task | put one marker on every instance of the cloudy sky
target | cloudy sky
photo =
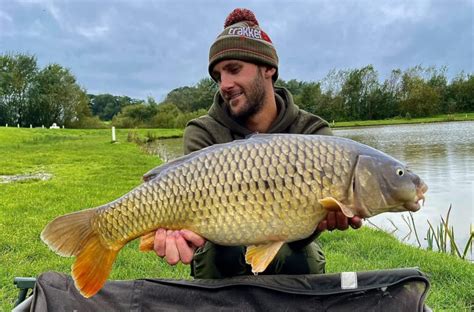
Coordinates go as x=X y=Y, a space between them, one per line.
x=147 y=48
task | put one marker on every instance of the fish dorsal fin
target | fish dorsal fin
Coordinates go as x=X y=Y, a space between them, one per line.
x=332 y=204
x=260 y=256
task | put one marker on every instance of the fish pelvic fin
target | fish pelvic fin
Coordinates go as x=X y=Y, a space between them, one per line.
x=147 y=242
x=332 y=204
x=73 y=235
x=260 y=256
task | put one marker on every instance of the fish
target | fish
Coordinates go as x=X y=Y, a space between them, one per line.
x=259 y=192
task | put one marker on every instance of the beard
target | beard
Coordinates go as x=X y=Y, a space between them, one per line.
x=255 y=98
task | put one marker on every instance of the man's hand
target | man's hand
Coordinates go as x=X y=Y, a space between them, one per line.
x=337 y=220
x=177 y=246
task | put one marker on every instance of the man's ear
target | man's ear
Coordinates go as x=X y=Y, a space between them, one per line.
x=269 y=71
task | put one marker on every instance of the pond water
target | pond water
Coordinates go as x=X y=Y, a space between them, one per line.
x=442 y=154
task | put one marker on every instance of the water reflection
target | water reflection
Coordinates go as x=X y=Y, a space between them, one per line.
x=441 y=153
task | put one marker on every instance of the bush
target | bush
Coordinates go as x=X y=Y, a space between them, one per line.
x=182 y=119
x=125 y=122
x=88 y=123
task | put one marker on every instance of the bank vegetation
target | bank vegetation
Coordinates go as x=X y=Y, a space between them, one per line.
x=35 y=96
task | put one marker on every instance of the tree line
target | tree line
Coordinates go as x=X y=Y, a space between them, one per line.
x=358 y=94
x=30 y=95
x=33 y=96
x=179 y=106
x=343 y=95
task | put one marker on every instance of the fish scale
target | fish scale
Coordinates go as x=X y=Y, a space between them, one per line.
x=259 y=192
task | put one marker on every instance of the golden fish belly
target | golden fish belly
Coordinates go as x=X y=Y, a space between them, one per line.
x=243 y=194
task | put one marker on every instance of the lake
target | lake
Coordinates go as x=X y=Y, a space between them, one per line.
x=442 y=154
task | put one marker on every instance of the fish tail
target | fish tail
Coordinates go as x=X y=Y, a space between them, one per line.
x=73 y=235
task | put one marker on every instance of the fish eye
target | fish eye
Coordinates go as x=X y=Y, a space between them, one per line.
x=400 y=172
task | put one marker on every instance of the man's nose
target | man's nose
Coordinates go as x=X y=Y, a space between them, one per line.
x=226 y=82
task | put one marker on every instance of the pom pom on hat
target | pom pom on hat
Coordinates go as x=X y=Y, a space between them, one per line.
x=240 y=15
x=243 y=39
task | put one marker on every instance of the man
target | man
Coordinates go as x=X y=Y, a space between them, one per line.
x=244 y=63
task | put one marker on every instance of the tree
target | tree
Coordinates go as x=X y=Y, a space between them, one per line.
x=357 y=87
x=460 y=94
x=106 y=106
x=136 y=115
x=166 y=115
x=332 y=105
x=55 y=97
x=438 y=82
x=189 y=99
x=418 y=98
x=182 y=98
x=205 y=90
x=309 y=98
x=294 y=86
x=332 y=83
x=17 y=73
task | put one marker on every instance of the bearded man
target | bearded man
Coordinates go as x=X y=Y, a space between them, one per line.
x=244 y=63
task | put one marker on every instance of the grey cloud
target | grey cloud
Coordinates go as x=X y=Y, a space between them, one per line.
x=147 y=48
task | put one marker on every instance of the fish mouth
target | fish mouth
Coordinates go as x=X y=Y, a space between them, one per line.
x=420 y=196
x=413 y=206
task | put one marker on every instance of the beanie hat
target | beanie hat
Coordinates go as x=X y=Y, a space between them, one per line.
x=243 y=39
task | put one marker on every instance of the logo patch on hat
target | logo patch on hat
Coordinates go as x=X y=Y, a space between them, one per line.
x=249 y=32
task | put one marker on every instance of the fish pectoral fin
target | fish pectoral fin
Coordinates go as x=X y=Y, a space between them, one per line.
x=147 y=242
x=260 y=256
x=332 y=204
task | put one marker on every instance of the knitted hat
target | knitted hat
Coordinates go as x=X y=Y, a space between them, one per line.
x=243 y=39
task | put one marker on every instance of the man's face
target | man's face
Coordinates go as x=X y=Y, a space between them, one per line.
x=241 y=85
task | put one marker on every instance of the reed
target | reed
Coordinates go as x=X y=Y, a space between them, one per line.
x=443 y=236
x=439 y=238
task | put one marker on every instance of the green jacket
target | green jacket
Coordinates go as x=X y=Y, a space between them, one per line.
x=215 y=261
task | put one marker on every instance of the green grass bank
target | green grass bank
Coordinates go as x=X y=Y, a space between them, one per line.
x=400 y=121
x=87 y=170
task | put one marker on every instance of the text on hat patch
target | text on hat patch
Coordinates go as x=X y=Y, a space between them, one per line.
x=246 y=31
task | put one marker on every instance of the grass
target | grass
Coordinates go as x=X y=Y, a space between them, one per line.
x=452 y=287
x=88 y=170
x=398 y=121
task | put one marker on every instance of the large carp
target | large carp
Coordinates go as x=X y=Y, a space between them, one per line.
x=259 y=192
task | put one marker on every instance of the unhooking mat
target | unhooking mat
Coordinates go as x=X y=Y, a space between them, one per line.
x=388 y=290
